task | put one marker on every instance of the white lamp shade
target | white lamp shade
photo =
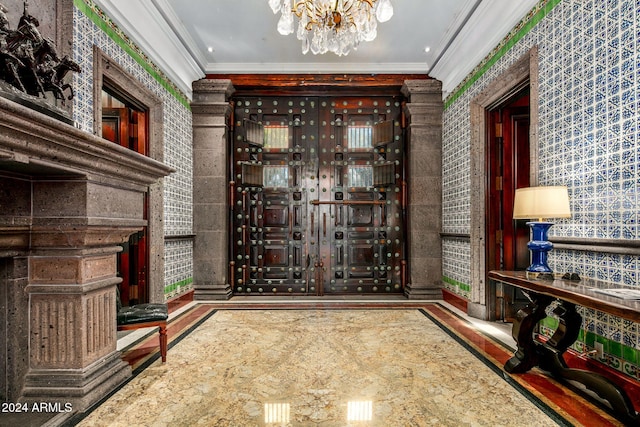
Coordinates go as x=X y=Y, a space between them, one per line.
x=541 y=202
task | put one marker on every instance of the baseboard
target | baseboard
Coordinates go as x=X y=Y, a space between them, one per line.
x=180 y=301
x=455 y=300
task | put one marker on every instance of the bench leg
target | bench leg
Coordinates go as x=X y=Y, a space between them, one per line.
x=163 y=343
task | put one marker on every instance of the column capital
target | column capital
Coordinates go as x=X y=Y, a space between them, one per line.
x=418 y=91
x=211 y=91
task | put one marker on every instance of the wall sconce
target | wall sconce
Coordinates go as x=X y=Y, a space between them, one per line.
x=540 y=203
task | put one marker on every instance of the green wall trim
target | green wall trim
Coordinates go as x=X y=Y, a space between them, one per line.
x=526 y=24
x=459 y=285
x=181 y=284
x=550 y=322
x=630 y=354
x=103 y=22
x=618 y=350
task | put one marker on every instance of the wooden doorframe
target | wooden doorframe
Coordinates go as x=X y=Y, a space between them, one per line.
x=508 y=169
x=482 y=299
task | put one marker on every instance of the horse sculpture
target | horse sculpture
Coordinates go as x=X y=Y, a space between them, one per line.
x=30 y=62
x=16 y=50
x=52 y=78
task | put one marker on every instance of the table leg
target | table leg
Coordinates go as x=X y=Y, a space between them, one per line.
x=551 y=359
x=526 y=356
x=549 y=355
x=569 y=322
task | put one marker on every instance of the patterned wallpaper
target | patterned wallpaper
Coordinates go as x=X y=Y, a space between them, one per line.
x=92 y=27
x=589 y=75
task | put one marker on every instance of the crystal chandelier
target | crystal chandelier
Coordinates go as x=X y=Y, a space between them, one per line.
x=332 y=25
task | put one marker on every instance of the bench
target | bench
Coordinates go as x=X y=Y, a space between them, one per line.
x=145 y=316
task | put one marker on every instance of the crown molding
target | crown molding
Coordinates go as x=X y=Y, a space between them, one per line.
x=150 y=29
x=483 y=31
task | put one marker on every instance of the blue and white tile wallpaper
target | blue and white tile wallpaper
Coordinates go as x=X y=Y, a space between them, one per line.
x=178 y=195
x=589 y=82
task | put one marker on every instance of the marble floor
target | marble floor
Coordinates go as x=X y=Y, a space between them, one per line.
x=330 y=362
x=324 y=364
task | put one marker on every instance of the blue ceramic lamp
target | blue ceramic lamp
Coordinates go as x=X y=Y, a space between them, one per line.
x=538 y=204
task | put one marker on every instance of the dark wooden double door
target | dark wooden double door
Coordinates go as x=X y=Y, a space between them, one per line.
x=317 y=196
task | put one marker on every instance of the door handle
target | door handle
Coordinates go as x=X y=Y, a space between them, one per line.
x=405 y=197
x=320 y=277
x=324 y=224
x=312 y=224
x=348 y=202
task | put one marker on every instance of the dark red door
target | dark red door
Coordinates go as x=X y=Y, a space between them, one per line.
x=509 y=164
x=127 y=126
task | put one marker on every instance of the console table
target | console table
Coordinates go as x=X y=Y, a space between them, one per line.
x=542 y=291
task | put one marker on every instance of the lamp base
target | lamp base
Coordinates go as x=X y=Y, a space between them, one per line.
x=539 y=246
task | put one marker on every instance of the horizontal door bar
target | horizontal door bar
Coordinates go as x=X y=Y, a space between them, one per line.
x=348 y=202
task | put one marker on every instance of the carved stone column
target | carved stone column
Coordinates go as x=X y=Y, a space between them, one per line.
x=211 y=110
x=424 y=114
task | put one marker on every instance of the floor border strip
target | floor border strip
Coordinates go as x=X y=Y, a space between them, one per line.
x=549 y=411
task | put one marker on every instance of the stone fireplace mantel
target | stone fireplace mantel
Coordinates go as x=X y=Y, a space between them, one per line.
x=68 y=199
x=31 y=141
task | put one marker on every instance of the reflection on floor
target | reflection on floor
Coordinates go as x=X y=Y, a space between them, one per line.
x=334 y=363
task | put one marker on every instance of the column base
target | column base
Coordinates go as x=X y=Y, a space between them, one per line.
x=80 y=388
x=413 y=291
x=209 y=292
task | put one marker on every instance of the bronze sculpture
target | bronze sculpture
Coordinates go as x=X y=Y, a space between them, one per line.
x=29 y=61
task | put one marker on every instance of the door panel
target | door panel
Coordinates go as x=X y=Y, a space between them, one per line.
x=318 y=208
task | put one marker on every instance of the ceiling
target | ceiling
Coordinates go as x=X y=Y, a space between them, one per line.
x=190 y=38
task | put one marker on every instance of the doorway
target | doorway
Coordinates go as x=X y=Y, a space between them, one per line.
x=509 y=169
x=317 y=205
x=522 y=73
x=126 y=123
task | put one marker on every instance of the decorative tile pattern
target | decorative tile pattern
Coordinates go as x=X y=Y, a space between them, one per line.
x=178 y=267
x=89 y=30
x=456 y=263
x=589 y=83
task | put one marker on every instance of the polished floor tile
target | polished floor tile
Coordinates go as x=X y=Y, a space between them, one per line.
x=349 y=367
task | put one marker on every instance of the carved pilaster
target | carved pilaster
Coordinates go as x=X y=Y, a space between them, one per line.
x=211 y=112
x=72 y=305
x=14 y=316
x=424 y=116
